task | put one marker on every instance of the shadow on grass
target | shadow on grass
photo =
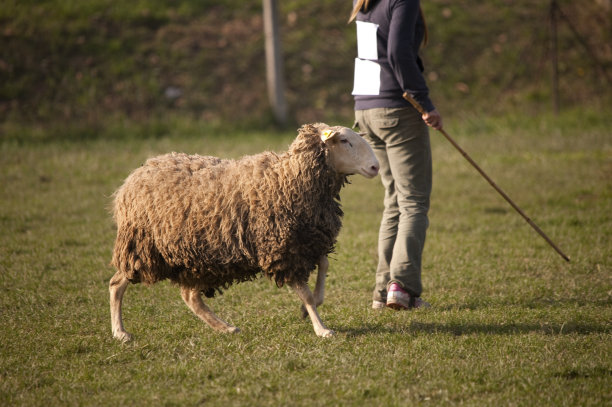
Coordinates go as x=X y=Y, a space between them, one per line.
x=536 y=303
x=459 y=329
x=545 y=328
x=584 y=373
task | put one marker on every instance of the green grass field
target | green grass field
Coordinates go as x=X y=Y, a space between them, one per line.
x=511 y=323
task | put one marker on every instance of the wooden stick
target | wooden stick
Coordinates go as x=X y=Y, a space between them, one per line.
x=535 y=227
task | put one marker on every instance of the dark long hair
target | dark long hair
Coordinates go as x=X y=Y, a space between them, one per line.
x=365 y=5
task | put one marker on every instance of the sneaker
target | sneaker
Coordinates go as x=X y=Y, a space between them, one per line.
x=399 y=299
x=378 y=304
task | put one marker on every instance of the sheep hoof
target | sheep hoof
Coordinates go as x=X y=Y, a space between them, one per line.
x=326 y=333
x=122 y=336
x=232 y=330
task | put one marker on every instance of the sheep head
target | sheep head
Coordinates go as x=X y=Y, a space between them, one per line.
x=349 y=153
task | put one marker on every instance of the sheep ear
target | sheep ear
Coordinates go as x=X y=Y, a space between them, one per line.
x=327 y=134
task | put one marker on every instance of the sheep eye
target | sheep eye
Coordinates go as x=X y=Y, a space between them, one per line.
x=345 y=141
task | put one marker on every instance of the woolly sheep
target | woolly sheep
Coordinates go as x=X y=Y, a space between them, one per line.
x=206 y=223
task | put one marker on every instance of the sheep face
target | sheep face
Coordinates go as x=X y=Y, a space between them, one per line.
x=349 y=153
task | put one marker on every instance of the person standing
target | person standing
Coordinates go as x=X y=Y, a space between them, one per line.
x=389 y=36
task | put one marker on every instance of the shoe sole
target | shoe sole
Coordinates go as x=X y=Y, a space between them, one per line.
x=396 y=306
x=378 y=305
x=400 y=307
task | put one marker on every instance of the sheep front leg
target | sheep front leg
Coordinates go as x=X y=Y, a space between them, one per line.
x=303 y=291
x=319 y=292
x=193 y=299
x=117 y=286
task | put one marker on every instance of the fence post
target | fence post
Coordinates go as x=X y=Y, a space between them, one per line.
x=555 y=55
x=274 y=62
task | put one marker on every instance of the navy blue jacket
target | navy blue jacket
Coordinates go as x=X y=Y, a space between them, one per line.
x=399 y=36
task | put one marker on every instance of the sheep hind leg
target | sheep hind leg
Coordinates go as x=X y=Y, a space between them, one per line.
x=117 y=286
x=303 y=291
x=319 y=291
x=193 y=299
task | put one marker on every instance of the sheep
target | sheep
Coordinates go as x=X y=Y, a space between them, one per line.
x=206 y=223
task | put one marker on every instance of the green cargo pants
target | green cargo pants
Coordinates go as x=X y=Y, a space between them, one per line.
x=400 y=140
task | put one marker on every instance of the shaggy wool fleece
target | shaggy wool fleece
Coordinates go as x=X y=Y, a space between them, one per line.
x=206 y=223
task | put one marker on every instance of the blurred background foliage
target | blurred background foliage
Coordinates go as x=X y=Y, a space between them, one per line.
x=86 y=63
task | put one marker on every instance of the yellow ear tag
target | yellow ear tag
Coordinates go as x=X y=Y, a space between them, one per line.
x=326 y=134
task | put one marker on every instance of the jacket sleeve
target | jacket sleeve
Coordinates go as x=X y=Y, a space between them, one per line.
x=402 y=51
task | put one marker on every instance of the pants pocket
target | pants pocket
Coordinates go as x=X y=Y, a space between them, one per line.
x=386 y=123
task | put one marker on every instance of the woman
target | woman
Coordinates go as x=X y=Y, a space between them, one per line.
x=389 y=36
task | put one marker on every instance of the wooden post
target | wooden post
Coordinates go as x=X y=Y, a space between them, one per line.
x=555 y=57
x=274 y=62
